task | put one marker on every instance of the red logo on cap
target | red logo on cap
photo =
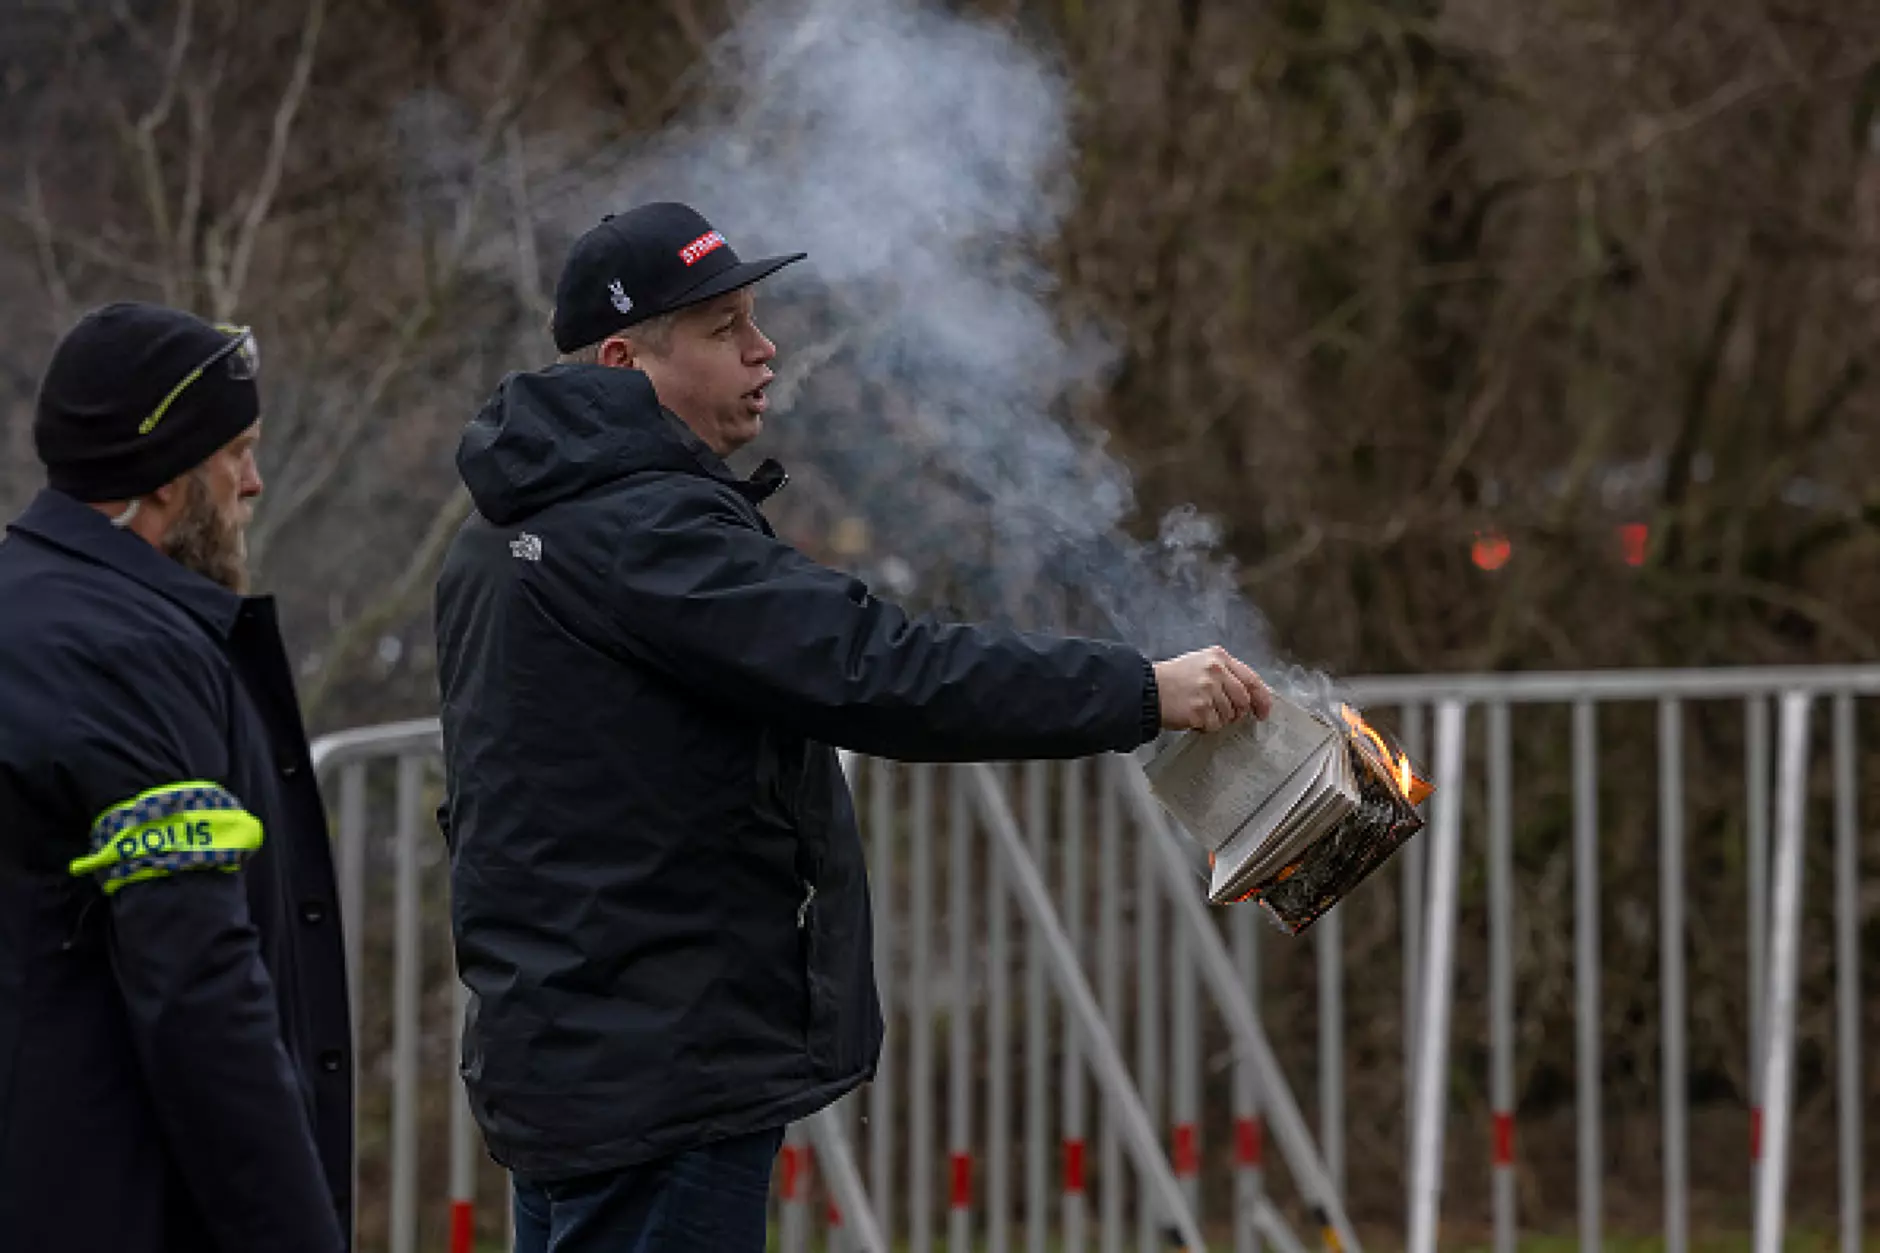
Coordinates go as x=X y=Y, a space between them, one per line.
x=709 y=242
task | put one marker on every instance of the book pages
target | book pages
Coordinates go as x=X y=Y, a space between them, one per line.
x=1332 y=799
x=1214 y=783
x=1268 y=826
x=1268 y=845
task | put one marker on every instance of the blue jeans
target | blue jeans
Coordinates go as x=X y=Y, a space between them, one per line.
x=715 y=1199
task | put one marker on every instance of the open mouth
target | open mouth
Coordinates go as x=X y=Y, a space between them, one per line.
x=756 y=399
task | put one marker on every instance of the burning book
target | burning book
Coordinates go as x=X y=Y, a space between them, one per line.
x=1295 y=810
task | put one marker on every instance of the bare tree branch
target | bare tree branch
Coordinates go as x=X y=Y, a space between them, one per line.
x=199 y=110
x=49 y=238
x=410 y=592
x=356 y=413
x=226 y=289
x=50 y=274
x=528 y=264
x=139 y=135
x=1822 y=613
x=159 y=111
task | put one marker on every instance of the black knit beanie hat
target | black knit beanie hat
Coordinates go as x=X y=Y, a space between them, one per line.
x=103 y=428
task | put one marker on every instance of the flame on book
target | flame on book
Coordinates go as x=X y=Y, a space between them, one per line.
x=1392 y=762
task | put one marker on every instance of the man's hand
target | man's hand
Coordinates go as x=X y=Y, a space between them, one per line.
x=1207 y=689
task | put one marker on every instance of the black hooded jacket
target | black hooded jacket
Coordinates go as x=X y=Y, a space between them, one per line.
x=658 y=896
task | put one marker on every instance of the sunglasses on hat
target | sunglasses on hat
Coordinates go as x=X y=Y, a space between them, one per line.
x=243 y=355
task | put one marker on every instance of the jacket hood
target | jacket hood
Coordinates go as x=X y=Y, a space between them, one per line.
x=549 y=435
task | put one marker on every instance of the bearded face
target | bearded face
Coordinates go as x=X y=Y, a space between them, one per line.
x=210 y=537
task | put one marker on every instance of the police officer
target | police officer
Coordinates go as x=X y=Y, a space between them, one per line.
x=175 y=1069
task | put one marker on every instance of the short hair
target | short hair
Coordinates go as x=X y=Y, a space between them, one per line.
x=654 y=335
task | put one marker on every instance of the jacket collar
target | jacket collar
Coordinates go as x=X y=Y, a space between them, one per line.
x=766 y=480
x=69 y=524
x=553 y=434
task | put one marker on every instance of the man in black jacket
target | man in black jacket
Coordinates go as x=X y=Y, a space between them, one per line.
x=174 y=1043
x=658 y=896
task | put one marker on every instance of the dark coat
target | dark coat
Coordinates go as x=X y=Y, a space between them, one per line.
x=658 y=895
x=175 y=1071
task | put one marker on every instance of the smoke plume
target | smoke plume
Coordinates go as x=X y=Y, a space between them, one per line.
x=924 y=161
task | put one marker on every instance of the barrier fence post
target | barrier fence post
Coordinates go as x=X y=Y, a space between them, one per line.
x=920 y=1025
x=1586 y=966
x=1415 y=879
x=350 y=870
x=1328 y=954
x=959 y=1018
x=1037 y=1027
x=1501 y=971
x=1671 y=969
x=1432 y=1050
x=1785 y=927
x=1110 y=983
x=1075 y=1204
x=828 y=1132
x=1249 y=1176
x=1756 y=752
x=405 y=1003
x=1184 y=1079
x=351 y=873
x=1847 y=971
x=793 y=1167
x=1148 y=1016
x=999 y=1045
x=882 y=1119
x=463 y=1137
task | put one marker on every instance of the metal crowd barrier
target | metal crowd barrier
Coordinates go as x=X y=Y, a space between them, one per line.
x=1051 y=972
x=991 y=865
x=1775 y=912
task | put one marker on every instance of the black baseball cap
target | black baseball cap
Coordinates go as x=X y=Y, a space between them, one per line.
x=643 y=263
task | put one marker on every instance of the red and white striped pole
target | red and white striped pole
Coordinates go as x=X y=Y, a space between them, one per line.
x=1249 y=1144
x=793 y=1166
x=1501 y=972
x=1185 y=1067
x=960 y=897
x=1249 y=1132
x=463 y=1174
x=1074 y=1206
x=1185 y=1154
x=960 y=1194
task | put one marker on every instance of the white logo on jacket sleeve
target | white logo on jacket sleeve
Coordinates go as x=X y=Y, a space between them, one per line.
x=526 y=547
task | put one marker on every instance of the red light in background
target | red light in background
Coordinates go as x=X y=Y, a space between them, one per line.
x=1491 y=550
x=1634 y=539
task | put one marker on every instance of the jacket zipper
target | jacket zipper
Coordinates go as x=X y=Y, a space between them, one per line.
x=802 y=911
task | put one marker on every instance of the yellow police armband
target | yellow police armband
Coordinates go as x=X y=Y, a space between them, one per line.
x=182 y=826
